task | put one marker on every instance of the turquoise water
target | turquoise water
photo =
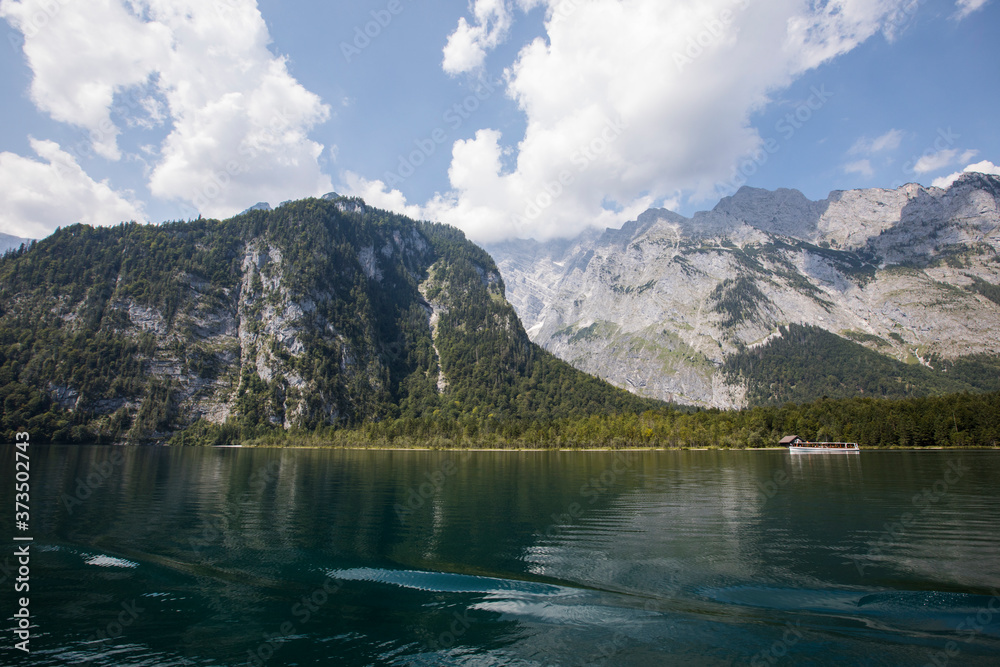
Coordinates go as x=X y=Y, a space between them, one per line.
x=155 y=556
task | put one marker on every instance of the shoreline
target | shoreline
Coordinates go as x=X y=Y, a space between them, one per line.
x=589 y=449
x=517 y=449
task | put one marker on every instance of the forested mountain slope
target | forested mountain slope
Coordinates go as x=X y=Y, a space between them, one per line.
x=318 y=314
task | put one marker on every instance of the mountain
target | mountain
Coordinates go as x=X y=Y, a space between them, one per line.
x=322 y=313
x=259 y=206
x=772 y=297
x=265 y=206
x=8 y=242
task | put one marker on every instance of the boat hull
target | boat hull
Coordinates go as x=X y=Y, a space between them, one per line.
x=795 y=449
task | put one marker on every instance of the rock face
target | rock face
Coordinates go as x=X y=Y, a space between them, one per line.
x=259 y=206
x=321 y=313
x=293 y=318
x=659 y=305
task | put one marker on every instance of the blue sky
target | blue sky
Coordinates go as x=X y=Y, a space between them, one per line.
x=503 y=117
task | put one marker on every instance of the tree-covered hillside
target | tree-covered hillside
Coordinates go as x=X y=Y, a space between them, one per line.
x=317 y=314
x=808 y=363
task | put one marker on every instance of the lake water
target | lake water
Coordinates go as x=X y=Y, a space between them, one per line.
x=157 y=556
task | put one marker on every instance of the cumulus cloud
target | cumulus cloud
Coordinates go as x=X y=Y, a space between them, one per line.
x=984 y=167
x=467 y=46
x=376 y=194
x=631 y=103
x=81 y=54
x=935 y=161
x=966 y=7
x=40 y=195
x=239 y=120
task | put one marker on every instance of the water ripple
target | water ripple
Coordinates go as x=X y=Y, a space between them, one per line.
x=447 y=582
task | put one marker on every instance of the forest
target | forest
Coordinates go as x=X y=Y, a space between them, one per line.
x=809 y=363
x=123 y=334
x=120 y=334
x=956 y=420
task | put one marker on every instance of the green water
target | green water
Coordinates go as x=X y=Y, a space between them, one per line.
x=155 y=556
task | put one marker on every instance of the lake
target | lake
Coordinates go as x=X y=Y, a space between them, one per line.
x=185 y=556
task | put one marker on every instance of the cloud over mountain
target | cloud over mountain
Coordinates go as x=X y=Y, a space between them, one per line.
x=40 y=195
x=238 y=120
x=629 y=104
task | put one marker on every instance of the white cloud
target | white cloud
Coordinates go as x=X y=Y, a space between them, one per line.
x=966 y=7
x=375 y=194
x=467 y=46
x=239 y=120
x=820 y=31
x=81 y=55
x=935 y=161
x=887 y=142
x=968 y=155
x=40 y=195
x=984 y=167
x=463 y=52
x=630 y=103
x=863 y=167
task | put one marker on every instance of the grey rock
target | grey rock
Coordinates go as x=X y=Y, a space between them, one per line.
x=259 y=206
x=657 y=306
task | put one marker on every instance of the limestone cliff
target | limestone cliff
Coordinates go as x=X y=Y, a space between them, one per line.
x=658 y=306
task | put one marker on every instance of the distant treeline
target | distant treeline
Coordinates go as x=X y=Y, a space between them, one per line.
x=957 y=420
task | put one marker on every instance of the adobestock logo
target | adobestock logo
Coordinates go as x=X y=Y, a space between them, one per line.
x=787 y=127
x=424 y=148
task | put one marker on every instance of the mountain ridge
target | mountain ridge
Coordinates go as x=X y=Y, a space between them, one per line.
x=659 y=306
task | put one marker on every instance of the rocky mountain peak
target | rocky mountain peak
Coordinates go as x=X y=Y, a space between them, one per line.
x=783 y=211
x=661 y=304
x=988 y=183
x=259 y=206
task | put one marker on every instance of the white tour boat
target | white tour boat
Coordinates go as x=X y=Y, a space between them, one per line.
x=797 y=445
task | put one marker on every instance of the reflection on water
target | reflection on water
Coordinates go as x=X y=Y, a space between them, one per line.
x=159 y=556
x=845 y=467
